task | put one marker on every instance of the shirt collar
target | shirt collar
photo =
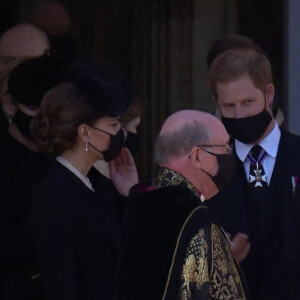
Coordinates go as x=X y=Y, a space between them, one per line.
x=270 y=144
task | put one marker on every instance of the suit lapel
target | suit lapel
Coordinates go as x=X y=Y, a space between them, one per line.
x=272 y=203
x=280 y=193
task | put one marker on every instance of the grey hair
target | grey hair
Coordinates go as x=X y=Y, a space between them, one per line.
x=181 y=141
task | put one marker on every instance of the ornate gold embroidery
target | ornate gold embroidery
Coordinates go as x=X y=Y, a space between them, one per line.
x=222 y=280
x=225 y=279
x=167 y=177
x=195 y=268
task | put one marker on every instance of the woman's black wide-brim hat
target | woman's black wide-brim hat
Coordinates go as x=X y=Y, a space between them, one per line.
x=111 y=97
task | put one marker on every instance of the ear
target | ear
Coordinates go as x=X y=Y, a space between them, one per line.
x=195 y=157
x=83 y=132
x=270 y=93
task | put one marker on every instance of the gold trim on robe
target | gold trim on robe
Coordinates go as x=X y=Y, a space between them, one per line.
x=223 y=277
x=168 y=177
x=209 y=270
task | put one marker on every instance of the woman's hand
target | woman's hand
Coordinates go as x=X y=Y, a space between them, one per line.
x=123 y=172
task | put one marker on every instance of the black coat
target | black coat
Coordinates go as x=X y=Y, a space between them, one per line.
x=76 y=239
x=266 y=267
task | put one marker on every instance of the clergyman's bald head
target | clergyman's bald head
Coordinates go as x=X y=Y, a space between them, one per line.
x=182 y=131
x=183 y=117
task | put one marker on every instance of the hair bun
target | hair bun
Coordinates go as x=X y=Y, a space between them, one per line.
x=41 y=127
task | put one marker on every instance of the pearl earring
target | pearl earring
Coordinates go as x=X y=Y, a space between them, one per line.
x=86 y=146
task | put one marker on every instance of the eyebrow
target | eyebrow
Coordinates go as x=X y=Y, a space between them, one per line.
x=114 y=119
x=248 y=98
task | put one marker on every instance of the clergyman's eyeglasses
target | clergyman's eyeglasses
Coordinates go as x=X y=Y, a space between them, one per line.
x=228 y=148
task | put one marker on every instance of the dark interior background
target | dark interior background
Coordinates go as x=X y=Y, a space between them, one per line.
x=119 y=32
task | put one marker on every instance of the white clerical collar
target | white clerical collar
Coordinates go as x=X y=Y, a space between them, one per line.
x=270 y=144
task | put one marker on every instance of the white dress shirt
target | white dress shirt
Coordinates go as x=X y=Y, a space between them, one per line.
x=270 y=144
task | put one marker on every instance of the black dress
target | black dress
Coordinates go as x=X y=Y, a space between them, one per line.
x=75 y=241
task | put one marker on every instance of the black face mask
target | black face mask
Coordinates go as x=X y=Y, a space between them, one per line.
x=115 y=145
x=23 y=121
x=226 y=168
x=62 y=48
x=249 y=129
x=133 y=143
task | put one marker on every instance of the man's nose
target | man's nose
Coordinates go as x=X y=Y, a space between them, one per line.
x=239 y=112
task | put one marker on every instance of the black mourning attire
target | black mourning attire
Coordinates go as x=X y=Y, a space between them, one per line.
x=76 y=237
x=267 y=221
x=291 y=250
x=171 y=248
x=21 y=168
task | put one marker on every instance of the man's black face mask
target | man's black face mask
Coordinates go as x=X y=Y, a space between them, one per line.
x=226 y=168
x=23 y=121
x=249 y=129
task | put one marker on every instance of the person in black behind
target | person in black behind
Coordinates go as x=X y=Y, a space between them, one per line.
x=78 y=123
x=17 y=44
x=21 y=167
x=260 y=197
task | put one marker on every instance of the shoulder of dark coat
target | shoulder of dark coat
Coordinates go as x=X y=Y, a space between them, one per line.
x=60 y=186
x=164 y=202
x=290 y=143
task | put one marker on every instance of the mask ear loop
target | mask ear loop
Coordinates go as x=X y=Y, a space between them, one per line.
x=270 y=107
x=199 y=161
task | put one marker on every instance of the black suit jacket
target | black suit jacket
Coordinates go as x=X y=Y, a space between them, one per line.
x=266 y=268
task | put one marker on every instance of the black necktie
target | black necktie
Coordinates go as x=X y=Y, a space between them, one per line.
x=257 y=176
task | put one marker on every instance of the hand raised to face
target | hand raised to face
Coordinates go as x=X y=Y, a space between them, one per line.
x=123 y=172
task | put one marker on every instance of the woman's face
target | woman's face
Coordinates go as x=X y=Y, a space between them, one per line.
x=99 y=133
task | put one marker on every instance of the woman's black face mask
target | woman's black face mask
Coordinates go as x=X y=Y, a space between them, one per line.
x=133 y=143
x=116 y=143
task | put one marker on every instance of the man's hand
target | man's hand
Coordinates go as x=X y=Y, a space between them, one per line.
x=123 y=172
x=240 y=246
